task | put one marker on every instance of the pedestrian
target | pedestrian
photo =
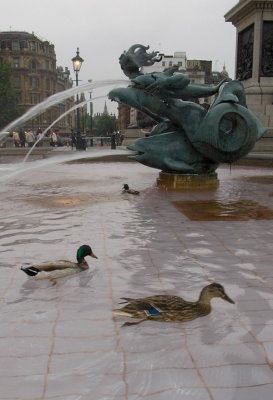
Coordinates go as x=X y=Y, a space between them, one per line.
x=53 y=139
x=22 y=137
x=80 y=142
x=16 y=139
x=113 y=141
x=73 y=140
x=30 y=138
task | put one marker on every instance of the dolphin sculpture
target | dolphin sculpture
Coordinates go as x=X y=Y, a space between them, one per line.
x=187 y=138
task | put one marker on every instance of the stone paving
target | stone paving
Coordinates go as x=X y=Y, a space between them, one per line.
x=63 y=342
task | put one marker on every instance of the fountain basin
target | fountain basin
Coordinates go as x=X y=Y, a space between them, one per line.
x=187 y=181
x=64 y=342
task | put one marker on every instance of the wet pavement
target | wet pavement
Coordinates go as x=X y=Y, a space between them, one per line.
x=63 y=341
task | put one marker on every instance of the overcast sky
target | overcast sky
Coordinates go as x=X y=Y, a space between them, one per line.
x=103 y=29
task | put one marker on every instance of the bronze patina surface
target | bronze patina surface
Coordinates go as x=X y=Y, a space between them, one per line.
x=187 y=138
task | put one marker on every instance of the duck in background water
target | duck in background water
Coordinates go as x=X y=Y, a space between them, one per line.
x=166 y=308
x=126 y=189
x=60 y=268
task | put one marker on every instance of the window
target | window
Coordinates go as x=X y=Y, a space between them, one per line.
x=33 y=65
x=33 y=82
x=23 y=44
x=179 y=63
x=18 y=97
x=16 y=63
x=47 y=64
x=17 y=81
x=32 y=46
x=163 y=63
x=34 y=98
x=15 y=45
x=170 y=63
x=47 y=84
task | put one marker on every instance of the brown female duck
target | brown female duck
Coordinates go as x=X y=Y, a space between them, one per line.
x=166 y=308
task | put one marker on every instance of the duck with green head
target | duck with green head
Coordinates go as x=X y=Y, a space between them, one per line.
x=60 y=268
x=167 y=308
x=126 y=189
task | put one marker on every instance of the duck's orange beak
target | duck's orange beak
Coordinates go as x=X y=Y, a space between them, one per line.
x=93 y=255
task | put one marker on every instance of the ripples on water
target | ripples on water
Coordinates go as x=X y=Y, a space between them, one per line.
x=145 y=246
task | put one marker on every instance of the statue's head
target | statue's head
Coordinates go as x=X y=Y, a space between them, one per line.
x=136 y=57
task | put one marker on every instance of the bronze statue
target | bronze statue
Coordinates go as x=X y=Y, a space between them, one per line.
x=187 y=138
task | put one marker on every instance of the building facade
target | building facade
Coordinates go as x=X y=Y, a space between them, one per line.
x=35 y=77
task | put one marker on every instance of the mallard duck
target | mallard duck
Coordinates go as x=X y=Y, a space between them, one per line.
x=166 y=308
x=126 y=189
x=60 y=268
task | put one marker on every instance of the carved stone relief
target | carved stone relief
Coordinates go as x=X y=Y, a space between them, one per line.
x=245 y=53
x=267 y=49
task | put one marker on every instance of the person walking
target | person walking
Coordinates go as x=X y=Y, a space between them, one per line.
x=22 y=137
x=80 y=142
x=30 y=138
x=73 y=140
x=53 y=139
x=16 y=139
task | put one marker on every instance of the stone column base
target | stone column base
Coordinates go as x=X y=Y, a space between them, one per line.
x=187 y=181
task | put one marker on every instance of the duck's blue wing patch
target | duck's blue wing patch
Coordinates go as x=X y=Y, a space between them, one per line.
x=152 y=311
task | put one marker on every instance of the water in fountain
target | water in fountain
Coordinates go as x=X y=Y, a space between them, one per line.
x=67 y=341
x=13 y=170
x=58 y=119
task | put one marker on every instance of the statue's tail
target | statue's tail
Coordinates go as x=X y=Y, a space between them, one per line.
x=229 y=130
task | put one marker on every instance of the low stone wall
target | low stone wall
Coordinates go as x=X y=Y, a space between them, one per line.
x=265 y=144
x=10 y=150
x=130 y=136
x=9 y=143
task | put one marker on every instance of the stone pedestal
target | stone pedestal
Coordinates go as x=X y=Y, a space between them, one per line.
x=131 y=135
x=187 y=181
x=253 y=20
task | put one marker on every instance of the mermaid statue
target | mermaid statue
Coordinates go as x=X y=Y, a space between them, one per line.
x=187 y=138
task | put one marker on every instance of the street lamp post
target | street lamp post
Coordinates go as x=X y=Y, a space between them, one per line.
x=77 y=63
x=91 y=113
x=91 y=109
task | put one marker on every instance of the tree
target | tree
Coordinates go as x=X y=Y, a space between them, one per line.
x=8 y=105
x=105 y=124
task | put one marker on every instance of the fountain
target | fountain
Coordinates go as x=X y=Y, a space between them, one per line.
x=58 y=119
x=188 y=142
